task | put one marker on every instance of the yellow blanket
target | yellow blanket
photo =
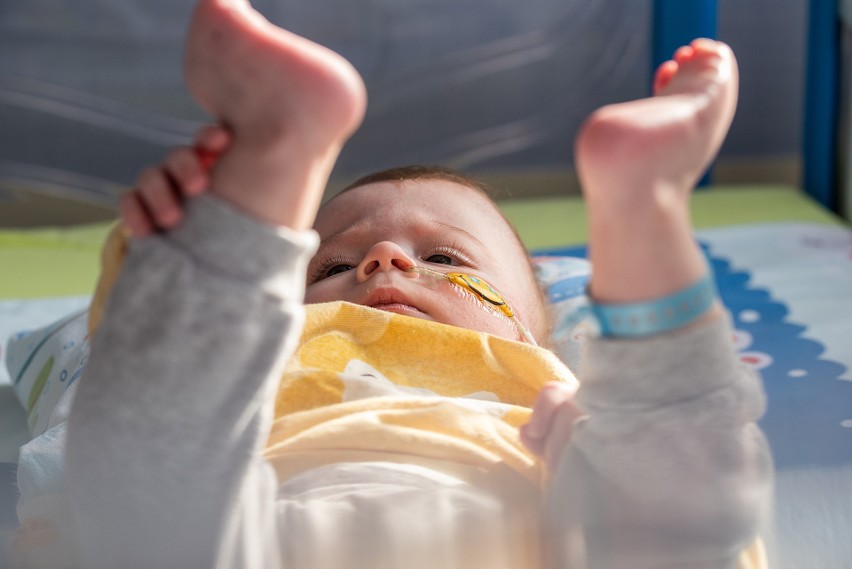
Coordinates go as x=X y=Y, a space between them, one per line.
x=372 y=385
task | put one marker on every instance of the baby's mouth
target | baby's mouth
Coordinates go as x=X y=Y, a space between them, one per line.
x=398 y=308
x=393 y=300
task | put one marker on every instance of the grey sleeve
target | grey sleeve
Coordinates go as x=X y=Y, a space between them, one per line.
x=166 y=429
x=669 y=468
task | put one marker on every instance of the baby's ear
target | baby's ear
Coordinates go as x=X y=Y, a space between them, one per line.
x=112 y=258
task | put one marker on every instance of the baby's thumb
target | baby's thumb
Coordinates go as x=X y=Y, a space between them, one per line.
x=535 y=433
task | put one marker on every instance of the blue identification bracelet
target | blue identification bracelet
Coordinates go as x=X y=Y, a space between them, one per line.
x=655 y=316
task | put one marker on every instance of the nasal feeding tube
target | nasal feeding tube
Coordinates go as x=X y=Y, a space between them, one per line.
x=482 y=291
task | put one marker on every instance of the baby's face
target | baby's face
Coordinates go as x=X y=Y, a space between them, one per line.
x=371 y=233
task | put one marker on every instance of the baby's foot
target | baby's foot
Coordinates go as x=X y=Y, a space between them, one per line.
x=666 y=141
x=638 y=162
x=290 y=103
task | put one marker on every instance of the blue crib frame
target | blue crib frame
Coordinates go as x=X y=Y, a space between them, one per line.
x=677 y=22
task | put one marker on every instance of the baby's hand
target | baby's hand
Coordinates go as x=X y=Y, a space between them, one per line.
x=156 y=204
x=552 y=423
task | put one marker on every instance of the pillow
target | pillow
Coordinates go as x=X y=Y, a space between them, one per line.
x=564 y=280
x=44 y=363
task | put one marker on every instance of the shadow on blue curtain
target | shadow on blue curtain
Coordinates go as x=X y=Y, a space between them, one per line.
x=819 y=167
x=676 y=23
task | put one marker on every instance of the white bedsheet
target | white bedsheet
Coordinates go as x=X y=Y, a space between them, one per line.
x=17 y=315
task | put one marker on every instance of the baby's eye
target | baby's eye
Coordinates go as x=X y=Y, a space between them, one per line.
x=439 y=259
x=337 y=269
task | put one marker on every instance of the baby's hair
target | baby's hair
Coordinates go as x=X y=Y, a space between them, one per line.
x=420 y=172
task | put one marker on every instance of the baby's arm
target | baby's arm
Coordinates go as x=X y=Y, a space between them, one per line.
x=667 y=467
x=164 y=438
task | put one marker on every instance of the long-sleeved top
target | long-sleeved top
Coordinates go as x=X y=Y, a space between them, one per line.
x=165 y=463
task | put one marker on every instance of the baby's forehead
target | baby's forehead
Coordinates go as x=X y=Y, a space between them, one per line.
x=443 y=200
x=420 y=202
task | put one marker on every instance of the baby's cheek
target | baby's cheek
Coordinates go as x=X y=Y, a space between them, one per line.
x=471 y=313
x=326 y=290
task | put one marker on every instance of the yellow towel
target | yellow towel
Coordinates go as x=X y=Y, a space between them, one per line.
x=381 y=386
x=112 y=257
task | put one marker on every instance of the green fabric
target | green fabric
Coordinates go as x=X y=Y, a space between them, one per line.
x=50 y=262
x=62 y=262
x=555 y=222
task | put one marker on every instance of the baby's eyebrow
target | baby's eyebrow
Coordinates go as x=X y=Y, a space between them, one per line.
x=455 y=229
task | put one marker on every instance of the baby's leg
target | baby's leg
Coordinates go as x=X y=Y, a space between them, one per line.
x=668 y=468
x=163 y=465
x=290 y=103
x=638 y=162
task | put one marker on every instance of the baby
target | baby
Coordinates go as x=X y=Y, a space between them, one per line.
x=657 y=462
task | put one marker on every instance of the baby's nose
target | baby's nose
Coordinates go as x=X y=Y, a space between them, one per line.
x=384 y=256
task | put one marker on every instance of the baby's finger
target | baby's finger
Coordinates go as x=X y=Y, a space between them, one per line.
x=214 y=139
x=560 y=433
x=134 y=215
x=206 y=158
x=551 y=396
x=186 y=170
x=534 y=444
x=160 y=198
